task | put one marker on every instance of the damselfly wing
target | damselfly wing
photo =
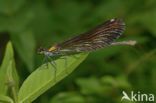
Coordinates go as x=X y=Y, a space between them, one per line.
x=97 y=38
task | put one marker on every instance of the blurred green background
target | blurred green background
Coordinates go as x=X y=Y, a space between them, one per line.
x=103 y=76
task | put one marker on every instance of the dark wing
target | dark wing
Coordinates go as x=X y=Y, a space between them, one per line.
x=96 y=38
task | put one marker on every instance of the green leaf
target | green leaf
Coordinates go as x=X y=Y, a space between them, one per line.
x=24 y=43
x=5 y=99
x=44 y=77
x=8 y=74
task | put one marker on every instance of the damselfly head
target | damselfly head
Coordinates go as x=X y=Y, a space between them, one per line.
x=41 y=50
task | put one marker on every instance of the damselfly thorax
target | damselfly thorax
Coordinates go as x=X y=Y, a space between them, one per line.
x=53 y=51
x=97 y=38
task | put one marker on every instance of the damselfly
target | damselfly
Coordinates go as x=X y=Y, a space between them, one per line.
x=97 y=38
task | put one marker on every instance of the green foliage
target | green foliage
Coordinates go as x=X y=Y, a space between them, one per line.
x=102 y=77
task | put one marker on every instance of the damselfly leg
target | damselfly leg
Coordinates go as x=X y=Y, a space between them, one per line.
x=53 y=64
x=48 y=59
